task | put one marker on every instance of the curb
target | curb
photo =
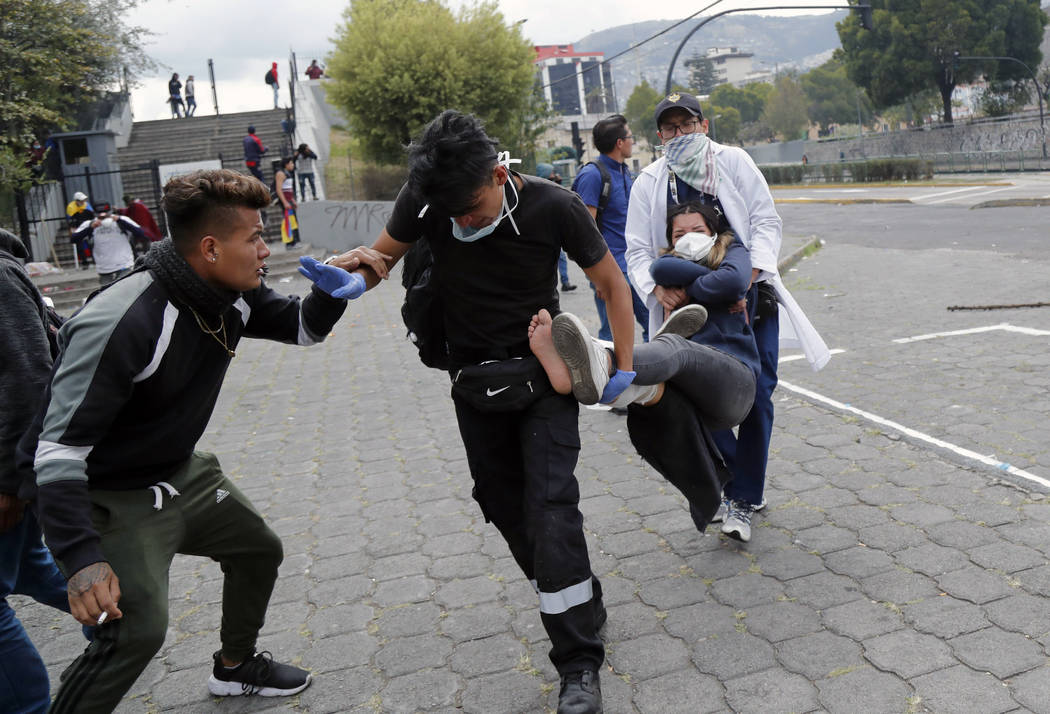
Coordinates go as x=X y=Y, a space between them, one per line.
x=887 y=184
x=842 y=201
x=809 y=247
x=1008 y=202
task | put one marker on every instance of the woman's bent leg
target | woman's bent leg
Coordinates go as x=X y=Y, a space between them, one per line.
x=719 y=385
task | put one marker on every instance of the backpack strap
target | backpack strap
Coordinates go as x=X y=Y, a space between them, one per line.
x=603 y=194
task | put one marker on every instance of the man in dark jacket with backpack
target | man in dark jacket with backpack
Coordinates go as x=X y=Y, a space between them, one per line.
x=605 y=187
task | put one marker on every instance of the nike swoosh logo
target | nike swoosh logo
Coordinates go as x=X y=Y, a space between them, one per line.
x=493 y=392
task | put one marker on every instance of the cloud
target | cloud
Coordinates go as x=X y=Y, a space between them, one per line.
x=243 y=37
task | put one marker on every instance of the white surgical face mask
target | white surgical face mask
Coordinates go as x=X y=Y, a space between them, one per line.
x=108 y=221
x=694 y=246
x=468 y=234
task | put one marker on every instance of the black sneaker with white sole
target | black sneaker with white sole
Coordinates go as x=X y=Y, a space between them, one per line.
x=258 y=675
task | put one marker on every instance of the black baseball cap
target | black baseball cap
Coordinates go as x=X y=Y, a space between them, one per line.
x=678 y=100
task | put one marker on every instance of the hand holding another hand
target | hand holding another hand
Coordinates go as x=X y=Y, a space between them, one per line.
x=335 y=281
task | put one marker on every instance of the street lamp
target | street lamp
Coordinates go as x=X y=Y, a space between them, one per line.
x=711 y=122
x=956 y=58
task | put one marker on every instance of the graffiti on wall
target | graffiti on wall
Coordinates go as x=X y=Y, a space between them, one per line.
x=341 y=225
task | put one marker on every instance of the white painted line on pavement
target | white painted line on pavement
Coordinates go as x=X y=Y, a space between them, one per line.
x=792 y=358
x=1006 y=327
x=986 y=193
x=945 y=193
x=914 y=434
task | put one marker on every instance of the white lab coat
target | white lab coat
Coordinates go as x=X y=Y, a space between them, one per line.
x=749 y=208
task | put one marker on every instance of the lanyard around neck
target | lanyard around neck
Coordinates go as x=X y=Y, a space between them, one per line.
x=672 y=184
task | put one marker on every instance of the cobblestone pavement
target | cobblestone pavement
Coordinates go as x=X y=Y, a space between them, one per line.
x=886 y=575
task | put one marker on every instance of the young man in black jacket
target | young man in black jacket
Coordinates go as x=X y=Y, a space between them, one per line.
x=495 y=236
x=120 y=488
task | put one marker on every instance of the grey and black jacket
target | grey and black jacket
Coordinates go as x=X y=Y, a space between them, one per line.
x=136 y=382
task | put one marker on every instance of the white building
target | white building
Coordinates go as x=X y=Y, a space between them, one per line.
x=579 y=88
x=730 y=64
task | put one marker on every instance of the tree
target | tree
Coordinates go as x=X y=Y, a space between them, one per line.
x=58 y=57
x=785 y=112
x=724 y=122
x=702 y=76
x=833 y=98
x=527 y=127
x=749 y=100
x=399 y=63
x=912 y=45
x=1002 y=98
x=639 y=112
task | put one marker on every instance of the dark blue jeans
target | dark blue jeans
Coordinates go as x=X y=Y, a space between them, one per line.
x=563 y=268
x=746 y=453
x=641 y=314
x=26 y=568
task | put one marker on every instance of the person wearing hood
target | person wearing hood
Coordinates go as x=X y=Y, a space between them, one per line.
x=120 y=486
x=26 y=565
x=694 y=168
x=112 y=239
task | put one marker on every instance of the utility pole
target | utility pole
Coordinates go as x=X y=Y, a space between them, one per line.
x=214 y=95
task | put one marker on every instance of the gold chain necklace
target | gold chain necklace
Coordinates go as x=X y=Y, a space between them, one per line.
x=214 y=333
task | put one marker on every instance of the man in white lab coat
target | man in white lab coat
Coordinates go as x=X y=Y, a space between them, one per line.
x=695 y=168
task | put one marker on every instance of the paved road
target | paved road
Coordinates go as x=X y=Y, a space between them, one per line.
x=955 y=190
x=888 y=574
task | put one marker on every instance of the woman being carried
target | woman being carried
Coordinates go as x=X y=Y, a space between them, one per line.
x=715 y=369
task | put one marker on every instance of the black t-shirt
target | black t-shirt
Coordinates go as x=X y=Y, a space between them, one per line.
x=492 y=287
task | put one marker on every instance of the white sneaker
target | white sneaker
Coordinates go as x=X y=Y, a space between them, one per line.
x=738 y=521
x=635 y=394
x=720 y=514
x=588 y=361
x=723 y=509
x=685 y=321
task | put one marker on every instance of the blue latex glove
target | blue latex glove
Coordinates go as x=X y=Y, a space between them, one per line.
x=617 y=383
x=335 y=281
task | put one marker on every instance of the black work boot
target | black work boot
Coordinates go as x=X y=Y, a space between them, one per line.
x=581 y=693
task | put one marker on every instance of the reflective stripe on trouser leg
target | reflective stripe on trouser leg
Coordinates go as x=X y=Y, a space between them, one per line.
x=558 y=602
x=522 y=464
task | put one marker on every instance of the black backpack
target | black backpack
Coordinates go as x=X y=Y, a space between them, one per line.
x=603 y=195
x=269 y=76
x=422 y=311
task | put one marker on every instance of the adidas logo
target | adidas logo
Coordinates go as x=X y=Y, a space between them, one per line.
x=221 y=494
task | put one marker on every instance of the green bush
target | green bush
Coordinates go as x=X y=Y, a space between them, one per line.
x=887 y=169
x=832 y=173
x=382 y=183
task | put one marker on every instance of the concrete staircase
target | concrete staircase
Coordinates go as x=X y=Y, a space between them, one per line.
x=69 y=289
x=172 y=141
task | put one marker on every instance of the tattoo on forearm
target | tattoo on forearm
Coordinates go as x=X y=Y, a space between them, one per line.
x=85 y=578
